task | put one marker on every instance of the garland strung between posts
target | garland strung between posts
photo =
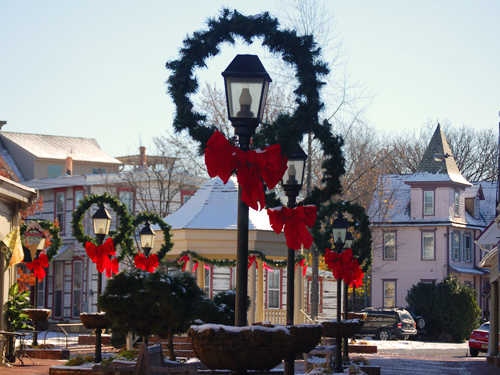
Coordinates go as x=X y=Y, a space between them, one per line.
x=154 y=218
x=55 y=238
x=226 y=263
x=288 y=129
x=322 y=230
x=122 y=236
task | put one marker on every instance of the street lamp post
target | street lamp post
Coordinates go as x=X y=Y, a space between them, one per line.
x=349 y=239
x=339 y=231
x=101 y=221
x=292 y=183
x=40 y=247
x=246 y=83
x=147 y=236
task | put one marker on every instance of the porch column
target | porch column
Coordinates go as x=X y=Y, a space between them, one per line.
x=260 y=291
x=189 y=266
x=201 y=275
x=251 y=292
x=297 y=315
x=493 y=339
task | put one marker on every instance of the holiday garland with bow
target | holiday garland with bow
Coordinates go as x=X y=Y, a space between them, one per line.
x=344 y=267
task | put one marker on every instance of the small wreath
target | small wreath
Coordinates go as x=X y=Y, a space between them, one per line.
x=154 y=218
x=55 y=238
x=122 y=235
x=322 y=230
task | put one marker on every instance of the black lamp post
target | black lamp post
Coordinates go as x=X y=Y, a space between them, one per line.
x=349 y=239
x=246 y=83
x=40 y=247
x=292 y=183
x=147 y=235
x=101 y=221
x=339 y=231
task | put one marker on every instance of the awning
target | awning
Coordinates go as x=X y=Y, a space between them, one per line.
x=469 y=271
x=65 y=253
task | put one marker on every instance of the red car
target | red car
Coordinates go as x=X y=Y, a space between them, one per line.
x=479 y=340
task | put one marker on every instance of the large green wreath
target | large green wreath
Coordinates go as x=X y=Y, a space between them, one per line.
x=288 y=130
x=53 y=229
x=154 y=218
x=119 y=237
x=322 y=230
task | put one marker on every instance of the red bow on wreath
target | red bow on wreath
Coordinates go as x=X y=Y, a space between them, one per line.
x=184 y=259
x=303 y=264
x=295 y=221
x=344 y=267
x=37 y=266
x=251 y=259
x=100 y=255
x=221 y=159
x=148 y=264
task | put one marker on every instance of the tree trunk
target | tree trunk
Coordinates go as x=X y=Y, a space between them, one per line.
x=314 y=282
x=170 y=345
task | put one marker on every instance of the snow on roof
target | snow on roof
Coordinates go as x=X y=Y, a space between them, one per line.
x=438 y=177
x=215 y=206
x=469 y=271
x=58 y=147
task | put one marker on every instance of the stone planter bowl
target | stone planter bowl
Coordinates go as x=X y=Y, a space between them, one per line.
x=38 y=315
x=95 y=320
x=240 y=348
x=346 y=328
x=304 y=337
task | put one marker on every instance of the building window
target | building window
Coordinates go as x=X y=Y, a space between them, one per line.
x=58 y=288
x=428 y=202
x=54 y=171
x=59 y=209
x=389 y=293
x=78 y=196
x=455 y=247
x=127 y=198
x=208 y=280
x=77 y=289
x=467 y=243
x=457 y=203
x=40 y=297
x=186 y=195
x=476 y=207
x=389 y=245
x=98 y=171
x=427 y=245
x=273 y=289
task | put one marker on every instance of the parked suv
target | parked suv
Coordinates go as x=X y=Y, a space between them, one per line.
x=388 y=323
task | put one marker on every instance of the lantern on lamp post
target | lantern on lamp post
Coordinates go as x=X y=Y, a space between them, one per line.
x=246 y=83
x=101 y=221
x=147 y=235
x=339 y=232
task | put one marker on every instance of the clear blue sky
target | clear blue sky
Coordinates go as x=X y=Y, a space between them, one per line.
x=97 y=68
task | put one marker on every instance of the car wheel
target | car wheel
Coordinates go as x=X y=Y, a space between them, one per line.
x=474 y=352
x=384 y=334
x=420 y=323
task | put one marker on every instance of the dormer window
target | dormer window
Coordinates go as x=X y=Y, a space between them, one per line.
x=428 y=202
x=476 y=207
x=457 y=203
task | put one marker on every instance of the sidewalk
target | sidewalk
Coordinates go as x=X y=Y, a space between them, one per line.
x=40 y=367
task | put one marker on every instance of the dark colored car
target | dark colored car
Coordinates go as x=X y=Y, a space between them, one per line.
x=478 y=341
x=388 y=323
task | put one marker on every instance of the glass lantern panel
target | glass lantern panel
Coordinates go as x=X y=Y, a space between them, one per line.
x=101 y=226
x=294 y=173
x=244 y=96
x=147 y=240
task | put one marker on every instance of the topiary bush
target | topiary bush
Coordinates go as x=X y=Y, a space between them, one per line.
x=448 y=307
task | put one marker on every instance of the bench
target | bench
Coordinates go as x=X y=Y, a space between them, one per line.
x=150 y=361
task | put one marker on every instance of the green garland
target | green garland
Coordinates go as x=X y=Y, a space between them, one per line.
x=53 y=229
x=119 y=237
x=322 y=230
x=225 y=263
x=288 y=130
x=154 y=218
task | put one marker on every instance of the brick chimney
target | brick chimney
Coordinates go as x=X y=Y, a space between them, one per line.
x=142 y=162
x=69 y=165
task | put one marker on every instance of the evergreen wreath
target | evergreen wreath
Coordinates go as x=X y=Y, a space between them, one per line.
x=322 y=230
x=55 y=238
x=288 y=130
x=122 y=236
x=154 y=218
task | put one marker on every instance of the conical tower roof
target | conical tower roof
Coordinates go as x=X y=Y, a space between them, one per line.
x=430 y=169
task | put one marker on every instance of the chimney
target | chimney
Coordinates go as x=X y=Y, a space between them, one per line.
x=142 y=162
x=69 y=165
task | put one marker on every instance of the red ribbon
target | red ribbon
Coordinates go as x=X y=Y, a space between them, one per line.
x=148 y=264
x=195 y=266
x=37 y=266
x=303 y=264
x=221 y=159
x=344 y=267
x=251 y=259
x=294 y=220
x=184 y=259
x=100 y=255
x=264 y=265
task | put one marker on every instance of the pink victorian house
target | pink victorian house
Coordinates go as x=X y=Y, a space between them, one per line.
x=424 y=226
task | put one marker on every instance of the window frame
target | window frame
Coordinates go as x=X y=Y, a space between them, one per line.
x=456 y=250
x=456 y=203
x=433 y=193
x=422 y=236
x=77 y=189
x=384 y=296
x=52 y=175
x=186 y=195
x=131 y=190
x=62 y=223
x=279 y=289
x=477 y=212
x=384 y=254
x=210 y=280
x=55 y=290
x=468 y=252
x=76 y=313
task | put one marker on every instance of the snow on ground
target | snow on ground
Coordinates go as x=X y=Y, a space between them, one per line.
x=412 y=345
